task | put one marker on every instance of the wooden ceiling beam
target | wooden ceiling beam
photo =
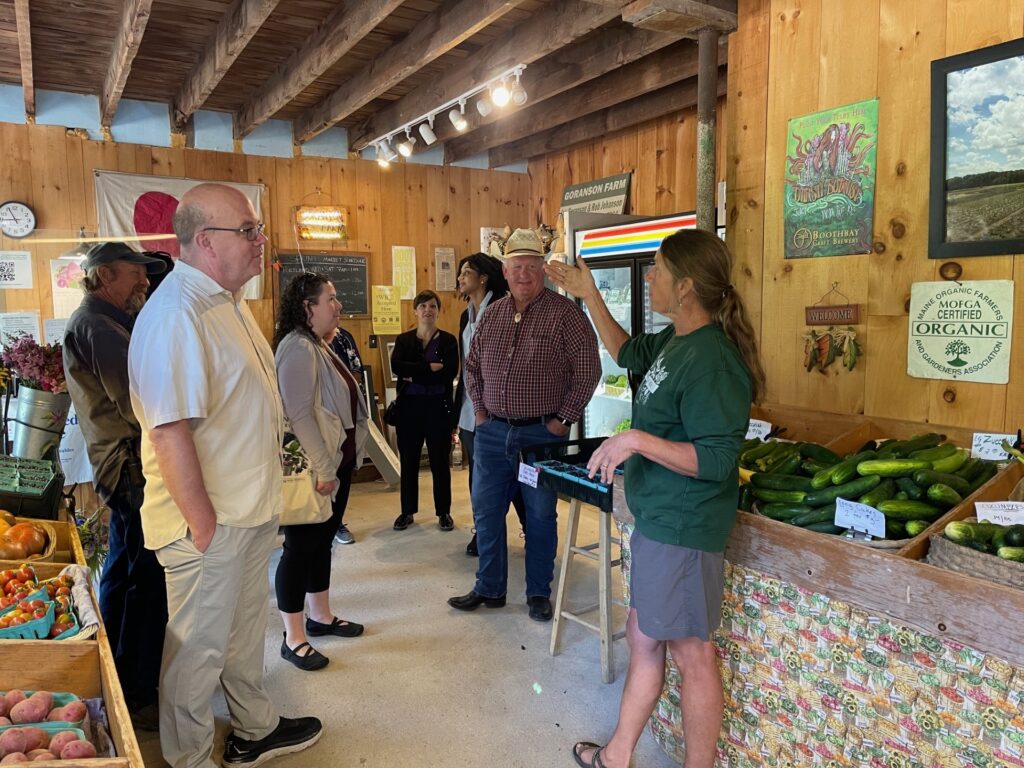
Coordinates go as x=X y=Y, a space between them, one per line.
x=651 y=106
x=669 y=65
x=234 y=31
x=134 y=17
x=348 y=24
x=572 y=66
x=437 y=34
x=683 y=17
x=550 y=28
x=21 y=17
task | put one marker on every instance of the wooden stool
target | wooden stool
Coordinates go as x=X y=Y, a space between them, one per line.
x=601 y=552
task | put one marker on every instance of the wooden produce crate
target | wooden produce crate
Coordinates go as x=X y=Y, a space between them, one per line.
x=68 y=548
x=806 y=424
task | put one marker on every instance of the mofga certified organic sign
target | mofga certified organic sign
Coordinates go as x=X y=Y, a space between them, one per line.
x=961 y=331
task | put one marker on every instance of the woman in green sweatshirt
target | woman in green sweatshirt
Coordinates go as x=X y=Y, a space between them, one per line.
x=690 y=416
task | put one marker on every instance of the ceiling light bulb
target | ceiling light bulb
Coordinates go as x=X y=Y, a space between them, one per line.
x=500 y=94
x=483 y=106
x=457 y=119
x=427 y=132
x=405 y=148
x=387 y=151
x=518 y=93
x=383 y=162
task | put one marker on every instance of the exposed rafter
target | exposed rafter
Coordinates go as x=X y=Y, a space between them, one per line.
x=347 y=25
x=551 y=28
x=625 y=115
x=21 y=17
x=683 y=17
x=669 y=65
x=134 y=17
x=233 y=33
x=441 y=31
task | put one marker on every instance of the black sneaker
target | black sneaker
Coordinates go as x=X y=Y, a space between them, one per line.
x=291 y=735
x=402 y=522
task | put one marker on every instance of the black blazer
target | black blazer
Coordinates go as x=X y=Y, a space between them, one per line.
x=408 y=362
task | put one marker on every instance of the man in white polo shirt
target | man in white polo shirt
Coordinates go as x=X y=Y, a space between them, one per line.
x=204 y=389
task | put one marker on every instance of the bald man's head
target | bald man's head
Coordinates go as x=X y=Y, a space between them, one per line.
x=198 y=207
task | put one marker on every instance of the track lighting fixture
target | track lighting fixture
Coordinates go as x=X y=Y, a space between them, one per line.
x=483 y=106
x=427 y=131
x=500 y=94
x=405 y=148
x=517 y=92
x=457 y=116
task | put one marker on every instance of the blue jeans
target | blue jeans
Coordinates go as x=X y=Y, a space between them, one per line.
x=495 y=483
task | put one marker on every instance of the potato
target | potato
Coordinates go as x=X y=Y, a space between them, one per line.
x=61 y=739
x=45 y=696
x=29 y=711
x=35 y=738
x=14 y=757
x=77 y=750
x=5 y=721
x=13 y=740
x=13 y=697
x=34 y=754
x=4 y=707
x=72 y=712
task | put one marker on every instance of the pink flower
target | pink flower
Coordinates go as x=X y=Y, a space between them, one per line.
x=37 y=366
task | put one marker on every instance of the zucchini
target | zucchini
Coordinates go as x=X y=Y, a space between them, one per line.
x=891 y=467
x=925 y=478
x=952 y=463
x=787 y=466
x=1014 y=536
x=943 y=495
x=823 y=479
x=909 y=510
x=934 y=454
x=851 y=490
x=847 y=471
x=826 y=514
x=783 y=511
x=987 y=473
x=884 y=490
x=971 y=469
x=909 y=487
x=919 y=443
x=810 y=467
x=746 y=499
x=961 y=531
x=781 y=497
x=819 y=453
x=758 y=451
x=780 y=482
x=916 y=527
x=895 y=529
x=824 y=527
x=1011 y=553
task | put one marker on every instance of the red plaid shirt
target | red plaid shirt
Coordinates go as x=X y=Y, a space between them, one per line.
x=547 y=363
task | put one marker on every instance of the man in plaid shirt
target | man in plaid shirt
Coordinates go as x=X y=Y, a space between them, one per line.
x=531 y=369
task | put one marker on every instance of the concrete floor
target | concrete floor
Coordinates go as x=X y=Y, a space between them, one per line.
x=427 y=685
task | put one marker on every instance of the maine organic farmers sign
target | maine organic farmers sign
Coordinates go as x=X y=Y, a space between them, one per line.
x=961 y=331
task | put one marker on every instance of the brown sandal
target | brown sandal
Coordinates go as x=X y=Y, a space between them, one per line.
x=595 y=761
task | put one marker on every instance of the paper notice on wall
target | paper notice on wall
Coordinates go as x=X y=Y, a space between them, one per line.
x=403 y=271
x=74 y=459
x=444 y=268
x=15 y=269
x=53 y=330
x=387 y=310
x=19 y=324
x=66 y=286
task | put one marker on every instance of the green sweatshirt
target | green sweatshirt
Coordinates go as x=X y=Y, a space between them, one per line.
x=696 y=389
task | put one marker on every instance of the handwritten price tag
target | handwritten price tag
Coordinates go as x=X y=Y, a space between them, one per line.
x=1001 y=512
x=860 y=517
x=528 y=474
x=987 y=445
x=759 y=429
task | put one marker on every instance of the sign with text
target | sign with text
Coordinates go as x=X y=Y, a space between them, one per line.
x=961 y=331
x=1001 y=512
x=860 y=517
x=607 y=195
x=528 y=475
x=15 y=269
x=987 y=445
x=759 y=429
x=834 y=314
x=387 y=310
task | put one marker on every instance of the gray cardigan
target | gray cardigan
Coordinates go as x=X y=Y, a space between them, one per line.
x=301 y=363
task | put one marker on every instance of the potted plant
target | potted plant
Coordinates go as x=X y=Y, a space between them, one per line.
x=43 y=399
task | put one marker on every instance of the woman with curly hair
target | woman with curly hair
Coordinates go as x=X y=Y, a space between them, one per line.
x=328 y=417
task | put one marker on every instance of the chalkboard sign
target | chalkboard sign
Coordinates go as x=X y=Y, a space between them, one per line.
x=348 y=272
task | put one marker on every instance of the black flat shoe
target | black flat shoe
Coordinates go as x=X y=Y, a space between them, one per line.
x=471 y=549
x=402 y=522
x=472 y=601
x=540 y=608
x=310 y=662
x=338 y=628
x=445 y=522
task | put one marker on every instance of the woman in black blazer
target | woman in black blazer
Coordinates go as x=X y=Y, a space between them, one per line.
x=425 y=361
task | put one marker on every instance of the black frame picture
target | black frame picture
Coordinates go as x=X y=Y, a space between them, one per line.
x=988 y=197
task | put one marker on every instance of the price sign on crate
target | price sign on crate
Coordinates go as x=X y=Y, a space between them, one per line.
x=1001 y=512
x=759 y=429
x=860 y=517
x=528 y=474
x=988 y=445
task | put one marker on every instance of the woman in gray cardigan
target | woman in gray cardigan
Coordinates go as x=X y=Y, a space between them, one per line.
x=328 y=417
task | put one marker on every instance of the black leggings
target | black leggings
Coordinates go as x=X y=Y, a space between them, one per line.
x=425 y=417
x=305 y=565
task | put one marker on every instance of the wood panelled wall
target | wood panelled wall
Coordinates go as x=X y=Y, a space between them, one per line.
x=418 y=205
x=793 y=57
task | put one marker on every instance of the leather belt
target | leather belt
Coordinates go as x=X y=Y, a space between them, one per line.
x=525 y=422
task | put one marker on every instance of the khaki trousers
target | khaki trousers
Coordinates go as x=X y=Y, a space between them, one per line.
x=217 y=622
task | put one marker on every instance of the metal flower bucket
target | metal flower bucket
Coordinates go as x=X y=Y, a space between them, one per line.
x=39 y=423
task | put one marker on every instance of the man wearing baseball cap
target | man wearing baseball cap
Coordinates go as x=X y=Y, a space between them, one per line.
x=531 y=369
x=132 y=597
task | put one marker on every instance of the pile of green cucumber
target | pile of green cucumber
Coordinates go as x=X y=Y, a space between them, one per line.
x=912 y=482
x=1005 y=541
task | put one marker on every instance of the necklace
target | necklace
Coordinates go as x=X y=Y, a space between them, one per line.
x=518 y=316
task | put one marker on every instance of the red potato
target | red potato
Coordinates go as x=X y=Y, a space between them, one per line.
x=5 y=721
x=13 y=697
x=44 y=756
x=59 y=740
x=44 y=696
x=13 y=740
x=35 y=738
x=29 y=711
x=78 y=750
x=14 y=757
x=34 y=754
x=4 y=707
x=72 y=712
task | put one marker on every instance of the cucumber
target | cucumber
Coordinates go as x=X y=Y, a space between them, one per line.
x=943 y=495
x=847 y=471
x=787 y=466
x=981 y=546
x=1011 y=553
x=870 y=445
x=783 y=511
x=934 y=454
x=919 y=443
x=901 y=496
x=895 y=529
x=915 y=527
x=884 y=490
x=951 y=464
x=971 y=469
x=810 y=467
x=781 y=497
x=780 y=482
x=851 y=490
x=823 y=479
x=819 y=453
x=824 y=527
x=987 y=473
x=961 y=531
x=1014 y=536
x=746 y=499
x=909 y=510
x=781 y=452
x=909 y=487
x=926 y=478
x=891 y=467
x=826 y=514
x=758 y=451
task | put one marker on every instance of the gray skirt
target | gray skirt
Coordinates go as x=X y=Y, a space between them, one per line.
x=676 y=591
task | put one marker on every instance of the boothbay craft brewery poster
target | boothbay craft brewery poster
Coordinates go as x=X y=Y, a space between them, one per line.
x=961 y=331
x=829 y=194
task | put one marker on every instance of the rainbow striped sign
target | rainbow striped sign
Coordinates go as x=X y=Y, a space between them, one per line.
x=641 y=237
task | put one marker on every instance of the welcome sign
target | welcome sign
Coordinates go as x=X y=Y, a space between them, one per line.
x=961 y=331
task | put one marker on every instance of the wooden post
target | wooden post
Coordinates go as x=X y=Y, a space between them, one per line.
x=707 y=98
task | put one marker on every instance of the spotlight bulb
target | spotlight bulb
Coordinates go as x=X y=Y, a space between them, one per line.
x=458 y=119
x=429 y=137
x=483 y=106
x=500 y=94
x=518 y=94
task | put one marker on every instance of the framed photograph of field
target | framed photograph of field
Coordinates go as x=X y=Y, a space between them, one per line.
x=977 y=153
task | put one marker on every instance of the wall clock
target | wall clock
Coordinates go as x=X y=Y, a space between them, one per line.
x=17 y=220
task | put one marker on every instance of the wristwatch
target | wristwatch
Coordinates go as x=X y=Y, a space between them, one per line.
x=564 y=422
